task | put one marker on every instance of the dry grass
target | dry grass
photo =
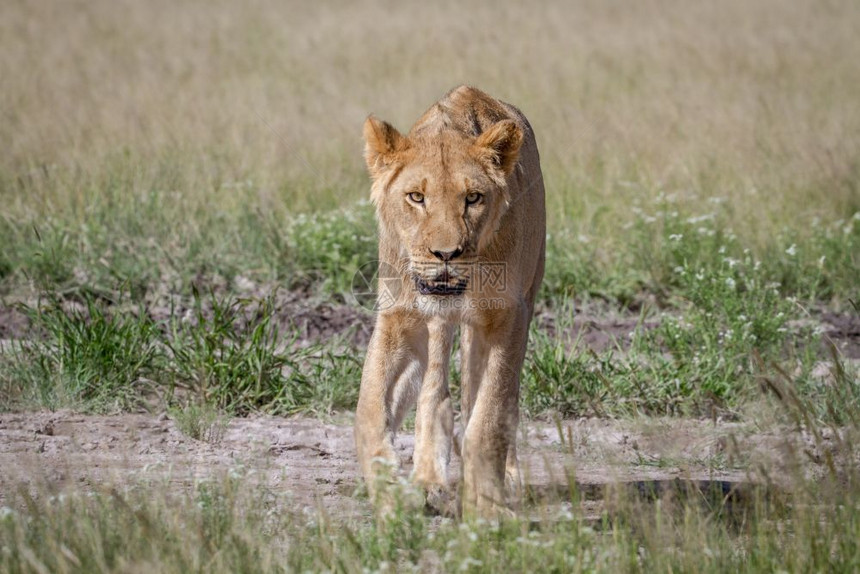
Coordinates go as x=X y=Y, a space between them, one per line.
x=754 y=102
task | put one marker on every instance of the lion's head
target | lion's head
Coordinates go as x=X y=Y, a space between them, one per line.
x=440 y=193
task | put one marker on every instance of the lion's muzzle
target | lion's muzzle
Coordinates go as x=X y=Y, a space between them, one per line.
x=439 y=280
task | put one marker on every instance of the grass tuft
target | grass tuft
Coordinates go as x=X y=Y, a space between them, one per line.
x=200 y=422
x=86 y=358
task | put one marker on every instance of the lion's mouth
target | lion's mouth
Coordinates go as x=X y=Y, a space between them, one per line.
x=442 y=285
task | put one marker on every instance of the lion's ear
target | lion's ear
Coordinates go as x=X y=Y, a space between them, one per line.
x=381 y=144
x=499 y=146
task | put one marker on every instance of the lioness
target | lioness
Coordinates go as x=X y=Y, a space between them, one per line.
x=460 y=204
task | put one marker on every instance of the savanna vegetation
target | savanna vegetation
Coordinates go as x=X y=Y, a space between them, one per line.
x=167 y=168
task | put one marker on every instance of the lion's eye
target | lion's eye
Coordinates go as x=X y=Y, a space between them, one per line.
x=415 y=197
x=473 y=198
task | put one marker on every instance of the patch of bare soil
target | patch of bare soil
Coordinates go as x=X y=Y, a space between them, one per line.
x=595 y=328
x=313 y=463
x=844 y=331
x=310 y=318
x=14 y=324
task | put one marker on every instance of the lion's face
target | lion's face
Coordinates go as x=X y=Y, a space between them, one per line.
x=442 y=195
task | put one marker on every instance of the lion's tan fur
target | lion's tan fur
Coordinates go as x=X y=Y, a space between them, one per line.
x=466 y=144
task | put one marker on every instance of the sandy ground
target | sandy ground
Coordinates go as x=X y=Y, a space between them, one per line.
x=313 y=463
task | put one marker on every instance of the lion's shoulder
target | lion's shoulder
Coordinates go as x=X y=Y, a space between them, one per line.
x=468 y=110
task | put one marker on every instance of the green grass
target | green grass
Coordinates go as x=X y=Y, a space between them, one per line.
x=201 y=421
x=151 y=245
x=228 y=353
x=706 y=356
x=324 y=250
x=86 y=360
x=223 y=352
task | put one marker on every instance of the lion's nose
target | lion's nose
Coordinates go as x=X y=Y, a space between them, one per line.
x=447 y=255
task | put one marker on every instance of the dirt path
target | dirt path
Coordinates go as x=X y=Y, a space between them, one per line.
x=314 y=462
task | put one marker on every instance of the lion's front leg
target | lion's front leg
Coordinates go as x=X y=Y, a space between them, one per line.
x=490 y=434
x=392 y=374
x=434 y=419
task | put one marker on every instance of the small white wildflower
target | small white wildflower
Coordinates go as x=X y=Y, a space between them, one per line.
x=792 y=251
x=676 y=237
x=730 y=283
x=722 y=249
x=679 y=270
x=821 y=260
x=730 y=262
